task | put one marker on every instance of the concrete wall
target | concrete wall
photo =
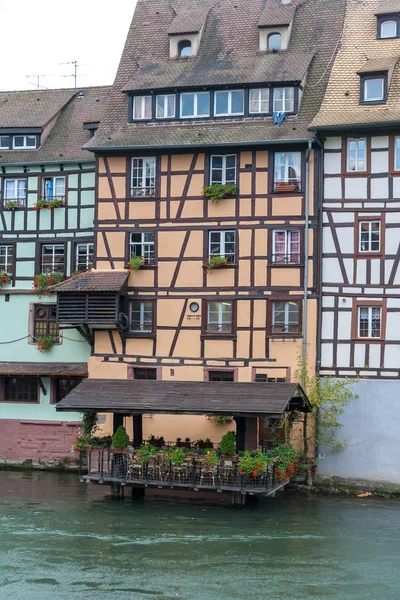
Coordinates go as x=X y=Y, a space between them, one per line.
x=371 y=429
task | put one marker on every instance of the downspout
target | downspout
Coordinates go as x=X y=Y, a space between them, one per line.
x=306 y=266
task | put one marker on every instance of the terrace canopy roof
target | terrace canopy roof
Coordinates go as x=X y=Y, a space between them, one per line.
x=188 y=397
x=43 y=369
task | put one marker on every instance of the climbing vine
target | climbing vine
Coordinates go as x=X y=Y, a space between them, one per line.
x=89 y=424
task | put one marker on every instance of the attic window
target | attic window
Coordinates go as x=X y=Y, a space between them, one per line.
x=374 y=89
x=184 y=49
x=274 y=42
x=388 y=27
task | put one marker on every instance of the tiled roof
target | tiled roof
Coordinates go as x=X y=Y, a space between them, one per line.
x=359 y=49
x=189 y=21
x=276 y=13
x=374 y=65
x=67 y=136
x=228 y=55
x=94 y=281
x=386 y=7
x=43 y=369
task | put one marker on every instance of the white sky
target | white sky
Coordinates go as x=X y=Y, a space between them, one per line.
x=37 y=35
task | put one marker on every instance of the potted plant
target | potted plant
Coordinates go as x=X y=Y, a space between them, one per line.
x=43 y=281
x=285 y=186
x=45 y=343
x=211 y=458
x=157 y=442
x=41 y=204
x=135 y=263
x=286 y=462
x=254 y=463
x=228 y=445
x=120 y=440
x=12 y=204
x=55 y=203
x=5 y=279
x=218 y=191
x=203 y=444
x=216 y=262
x=220 y=420
x=144 y=453
x=177 y=457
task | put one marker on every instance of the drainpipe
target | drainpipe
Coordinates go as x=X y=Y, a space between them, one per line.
x=306 y=267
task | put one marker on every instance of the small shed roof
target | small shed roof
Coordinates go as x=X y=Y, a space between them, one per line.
x=42 y=369
x=93 y=281
x=190 y=397
x=386 y=7
x=375 y=65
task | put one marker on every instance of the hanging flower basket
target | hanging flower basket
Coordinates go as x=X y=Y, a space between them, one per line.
x=219 y=191
x=136 y=263
x=42 y=282
x=5 y=280
x=218 y=420
x=216 y=262
x=46 y=343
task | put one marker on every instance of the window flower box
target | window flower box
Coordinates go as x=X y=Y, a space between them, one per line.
x=136 y=263
x=12 y=204
x=5 y=279
x=218 y=191
x=49 y=204
x=216 y=262
x=285 y=187
x=42 y=282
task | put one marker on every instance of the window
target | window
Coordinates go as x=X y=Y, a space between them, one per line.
x=274 y=42
x=165 y=106
x=64 y=385
x=141 y=316
x=142 y=244
x=6 y=259
x=53 y=258
x=143 y=177
x=388 y=29
x=369 y=321
x=223 y=169
x=4 y=142
x=142 y=107
x=286 y=247
x=373 y=89
x=20 y=389
x=24 y=142
x=44 y=321
x=219 y=317
x=229 y=103
x=184 y=49
x=221 y=375
x=195 y=104
x=262 y=378
x=283 y=99
x=15 y=190
x=149 y=374
x=287 y=173
x=259 y=101
x=397 y=154
x=357 y=155
x=53 y=188
x=285 y=318
x=222 y=243
x=369 y=236
x=84 y=257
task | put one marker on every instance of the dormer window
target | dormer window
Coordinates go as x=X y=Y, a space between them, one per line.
x=184 y=49
x=142 y=107
x=229 y=102
x=283 y=100
x=24 y=142
x=388 y=29
x=274 y=42
x=165 y=106
x=374 y=89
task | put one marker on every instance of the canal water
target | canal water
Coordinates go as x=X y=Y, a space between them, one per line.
x=60 y=540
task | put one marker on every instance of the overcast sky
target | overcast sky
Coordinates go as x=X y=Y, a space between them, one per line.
x=38 y=35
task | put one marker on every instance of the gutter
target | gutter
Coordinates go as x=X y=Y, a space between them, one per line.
x=351 y=126
x=39 y=162
x=306 y=265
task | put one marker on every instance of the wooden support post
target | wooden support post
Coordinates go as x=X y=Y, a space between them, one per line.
x=118 y=421
x=116 y=491
x=137 y=431
x=240 y=433
x=251 y=442
x=239 y=500
x=138 y=493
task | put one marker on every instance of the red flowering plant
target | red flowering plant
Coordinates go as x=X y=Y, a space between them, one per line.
x=80 y=443
x=45 y=343
x=216 y=262
x=5 y=279
x=42 y=282
x=211 y=458
x=218 y=191
x=41 y=204
x=286 y=462
x=135 y=263
x=55 y=203
x=219 y=420
x=254 y=463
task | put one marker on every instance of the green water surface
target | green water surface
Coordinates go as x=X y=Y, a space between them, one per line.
x=61 y=539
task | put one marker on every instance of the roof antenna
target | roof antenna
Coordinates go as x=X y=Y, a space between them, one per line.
x=37 y=83
x=75 y=73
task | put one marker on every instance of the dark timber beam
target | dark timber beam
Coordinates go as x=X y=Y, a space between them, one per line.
x=118 y=421
x=137 y=430
x=240 y=433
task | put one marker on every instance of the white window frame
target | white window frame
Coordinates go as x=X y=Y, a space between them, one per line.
x=142 y=108
x=219 y=323
x=21 y=201
x=288 y=240
x=53 y=255
x=165 y=105
x=370 y=312
x=142 y=310
x=8 y=144
x=195 y=105
x=357 y=141
x=55 y=196
x=285 y=100
x=89 y=251
x=24 y=147
x=286 y=165
x=147 y=248
x=376 y=98
x=8 y=258
x=396 y=153
x=259 y=100
x=224 y=158
x=388 y=37
x=229 y=113
x=222 y=242
x=145 y=191
x=369 y=241
x=286 y=323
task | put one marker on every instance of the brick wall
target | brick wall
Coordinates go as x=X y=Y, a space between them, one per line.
x=39 y=441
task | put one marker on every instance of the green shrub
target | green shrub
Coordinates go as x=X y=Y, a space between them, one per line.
x=228 y=444
x=120 y=439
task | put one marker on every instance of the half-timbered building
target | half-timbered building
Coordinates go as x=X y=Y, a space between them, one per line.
x=359 y=123
x=47 y=186
x=207 y=93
